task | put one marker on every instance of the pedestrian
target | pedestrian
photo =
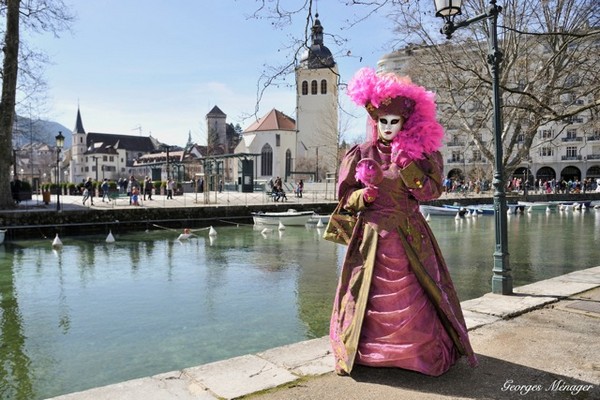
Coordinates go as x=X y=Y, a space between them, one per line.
x=132 y=184
x=88 y=191
x=148 y=188
x=104 y=188
x=135 y=194
x=300 y=187
x=395 y=305
x=170 y=188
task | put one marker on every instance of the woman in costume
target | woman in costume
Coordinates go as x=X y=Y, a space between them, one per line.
x=395 y=305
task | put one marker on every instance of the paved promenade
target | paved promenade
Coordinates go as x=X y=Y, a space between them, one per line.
x=539 y=343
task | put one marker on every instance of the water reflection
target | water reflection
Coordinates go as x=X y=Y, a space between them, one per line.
x=15 y=375
x=150 y=303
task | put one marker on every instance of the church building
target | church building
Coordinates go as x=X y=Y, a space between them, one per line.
x=306 y=146
x=103 y=155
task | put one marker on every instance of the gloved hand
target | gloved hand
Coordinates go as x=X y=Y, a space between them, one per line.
x=370 y=193
x=401 y=158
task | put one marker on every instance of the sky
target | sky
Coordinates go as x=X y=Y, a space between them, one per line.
x=157 y=67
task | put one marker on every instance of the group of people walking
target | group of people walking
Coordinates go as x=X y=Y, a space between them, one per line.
x=132 y=187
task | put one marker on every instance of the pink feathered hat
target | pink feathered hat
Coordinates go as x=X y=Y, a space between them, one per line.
x=391 y=94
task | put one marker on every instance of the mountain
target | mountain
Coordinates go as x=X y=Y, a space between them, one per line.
x=28 y=130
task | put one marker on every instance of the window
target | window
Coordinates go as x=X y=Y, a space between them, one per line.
x=304 y=88
x=104 y=158
x=457 y=156
x=80 y=140
x=476 y=155
x=546 y=151
x=313 y=87
x=572 y=151
x=266 y=160
x=277 y=139
x=572 y=134
x=323 y=86
x=546 y=134
x=111 y=158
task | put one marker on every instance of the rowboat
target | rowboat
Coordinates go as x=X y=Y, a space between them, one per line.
x=434 y=210
x=290 y=217
x=477 y=209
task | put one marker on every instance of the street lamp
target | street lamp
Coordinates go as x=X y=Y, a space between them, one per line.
x=448 y=9
x=60 y=142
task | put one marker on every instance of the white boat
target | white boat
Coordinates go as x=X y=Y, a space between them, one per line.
x=290 y=217
x=480 y=209
x=434 y=210
x=538 y=206
x=2 y=233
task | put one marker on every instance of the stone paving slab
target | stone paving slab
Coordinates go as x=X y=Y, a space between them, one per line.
x=564 y=285
x=311 y=357
x=239 y=376
x=475 y=319
x=506 y=306
x=171 y=385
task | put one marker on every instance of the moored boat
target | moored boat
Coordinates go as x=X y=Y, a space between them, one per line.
x=290 y=217
x=435 y=210
x=2 y=233
x=538 y=206
x=479 y=209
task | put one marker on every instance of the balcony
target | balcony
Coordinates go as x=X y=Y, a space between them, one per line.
x=571 y=158
x=593 y=157
x=456 y=143
x=572 y=139
x=593 y=138
x=454 y=161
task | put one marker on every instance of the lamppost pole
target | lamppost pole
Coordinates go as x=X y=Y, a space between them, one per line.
x=448 y=9
x=60 y=142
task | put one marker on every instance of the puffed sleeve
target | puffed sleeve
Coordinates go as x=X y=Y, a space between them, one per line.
x=349 y=189
x=424 y=177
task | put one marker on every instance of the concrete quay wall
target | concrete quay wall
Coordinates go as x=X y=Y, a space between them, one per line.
x=33 y=218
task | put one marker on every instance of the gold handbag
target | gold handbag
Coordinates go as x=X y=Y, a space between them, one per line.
x=340 y=226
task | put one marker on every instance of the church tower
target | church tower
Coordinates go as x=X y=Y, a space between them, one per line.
x=216 y=130
x=317 y=81
x=78 y=149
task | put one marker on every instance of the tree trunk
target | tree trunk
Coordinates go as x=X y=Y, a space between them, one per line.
x=7 y=103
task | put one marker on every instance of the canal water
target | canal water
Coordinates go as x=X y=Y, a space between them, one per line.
x=92 y=313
